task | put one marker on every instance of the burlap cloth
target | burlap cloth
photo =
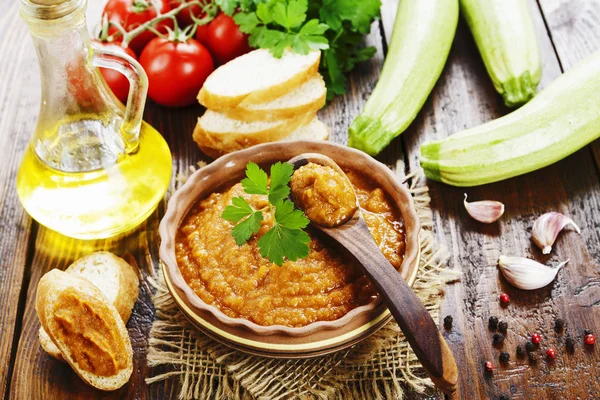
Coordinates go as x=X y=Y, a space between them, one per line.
x=380 y=367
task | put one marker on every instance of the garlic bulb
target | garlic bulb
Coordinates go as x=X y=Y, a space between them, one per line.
x=527 y=274
x=486 y=211
x=547 y=227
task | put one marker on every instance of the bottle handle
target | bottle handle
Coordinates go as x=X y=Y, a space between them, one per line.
x=138 y=89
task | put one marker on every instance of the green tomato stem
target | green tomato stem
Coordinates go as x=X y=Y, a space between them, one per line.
x=122 y=32
x=149 y=25
x=139 y=6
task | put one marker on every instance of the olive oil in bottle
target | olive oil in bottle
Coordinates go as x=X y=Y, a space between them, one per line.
x=93 y=169
x=99 y=203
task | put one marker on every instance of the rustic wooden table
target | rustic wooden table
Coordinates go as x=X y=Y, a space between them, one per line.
x=568 y=30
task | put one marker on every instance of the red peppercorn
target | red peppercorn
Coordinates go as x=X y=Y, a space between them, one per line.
x=536 y=338
x=504 y=298
x=590 y=339
x=550 y=353
x=489 y=366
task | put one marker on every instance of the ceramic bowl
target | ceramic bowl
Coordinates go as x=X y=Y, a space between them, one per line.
x=229 y=169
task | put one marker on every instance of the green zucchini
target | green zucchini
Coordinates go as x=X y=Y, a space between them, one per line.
x=421 y=40
x=505 y=36
x=560 y=120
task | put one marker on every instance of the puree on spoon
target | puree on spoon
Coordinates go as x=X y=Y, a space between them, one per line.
x=325 y=195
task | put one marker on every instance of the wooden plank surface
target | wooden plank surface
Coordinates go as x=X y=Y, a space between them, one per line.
x=575 y=31
x=37 y=375
x=16 y=124
x=464 y=97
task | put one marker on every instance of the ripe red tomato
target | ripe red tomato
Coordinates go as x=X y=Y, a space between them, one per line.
x=202 y=33
x=184 y=17
x=223 y=38
x=117 y=82
x=132 y=13
x=176 y=71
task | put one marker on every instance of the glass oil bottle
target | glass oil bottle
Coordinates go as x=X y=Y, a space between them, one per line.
x=93 y=168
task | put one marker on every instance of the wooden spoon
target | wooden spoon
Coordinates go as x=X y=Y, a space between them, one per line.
x=415 y=321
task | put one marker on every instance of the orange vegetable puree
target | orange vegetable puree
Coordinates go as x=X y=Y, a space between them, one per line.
x=242 y=284
x=84 y=327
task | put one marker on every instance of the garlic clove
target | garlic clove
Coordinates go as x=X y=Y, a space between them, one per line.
x=547 y=227
x=527 y=274
x=486 y=211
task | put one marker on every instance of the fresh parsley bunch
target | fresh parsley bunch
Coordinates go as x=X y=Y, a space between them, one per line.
x=286 y=239
x=334 y=26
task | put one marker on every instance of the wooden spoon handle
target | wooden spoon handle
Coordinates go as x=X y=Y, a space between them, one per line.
x=411 y=315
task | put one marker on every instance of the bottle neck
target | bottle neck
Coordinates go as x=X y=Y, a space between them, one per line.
x=78 y=124
x=63 y=47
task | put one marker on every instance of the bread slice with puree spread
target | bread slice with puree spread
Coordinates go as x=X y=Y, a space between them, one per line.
x=308 y=97
x=315 y=130
x=257 y=77
x=86 y=328
x=117 y=280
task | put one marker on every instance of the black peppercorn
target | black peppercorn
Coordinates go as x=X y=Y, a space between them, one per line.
x=559 y=324
x=504 y=357
x=520 y=350
x=530 y=347
x=532 y=357
x=503 y=326
x=498 y=338
x=587 y=332
x=493 y=321
x=570 y=343
x=448 y=322
x=503 y=397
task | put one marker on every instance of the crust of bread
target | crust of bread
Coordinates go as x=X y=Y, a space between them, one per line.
x=232 y=141
x=48 y=345
x=215 y=153
x=243 y=113
x=218 y=102
x=212 y=153
x=51 y=285
x=127 y=294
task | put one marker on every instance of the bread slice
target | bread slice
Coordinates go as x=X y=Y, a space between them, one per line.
x=256 y=77
x=48 y=345
x=315 y=130
x=79 y=319
x=217 y=131
x=308 y=97
x=117 y=280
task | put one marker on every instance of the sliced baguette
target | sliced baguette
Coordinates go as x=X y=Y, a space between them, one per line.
x=65 y=320
x=256 y=77
x=308 y=97
x=217 y=131
x=315 y=130
x=117 y=280
x=48 y=345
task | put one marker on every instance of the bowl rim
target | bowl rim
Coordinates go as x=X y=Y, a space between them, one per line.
x=182 y=200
